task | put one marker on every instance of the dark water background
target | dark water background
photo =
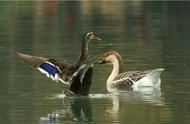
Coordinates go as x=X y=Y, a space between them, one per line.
x=147 y=34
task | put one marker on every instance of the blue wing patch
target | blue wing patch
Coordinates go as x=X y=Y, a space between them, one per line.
x=49 y=68
x=51 y=71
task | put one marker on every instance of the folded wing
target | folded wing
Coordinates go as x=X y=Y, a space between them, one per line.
x=126 y=80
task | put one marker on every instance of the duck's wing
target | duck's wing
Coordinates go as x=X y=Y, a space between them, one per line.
x=125 y=80
x=53 y=68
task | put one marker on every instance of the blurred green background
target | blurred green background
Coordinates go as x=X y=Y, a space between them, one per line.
x=147 y=34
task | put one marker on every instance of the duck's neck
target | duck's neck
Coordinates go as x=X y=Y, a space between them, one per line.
x=84 y=55
x=117 y=63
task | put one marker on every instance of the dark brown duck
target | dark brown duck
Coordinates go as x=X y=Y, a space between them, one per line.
x=69 y=74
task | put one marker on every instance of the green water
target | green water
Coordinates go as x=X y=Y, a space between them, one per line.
x=147 y=34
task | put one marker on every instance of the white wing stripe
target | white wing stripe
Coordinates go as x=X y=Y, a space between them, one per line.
x=78 y=70
x=50 y=63
x=67 y=83
x=44 y=72
x=56 y=78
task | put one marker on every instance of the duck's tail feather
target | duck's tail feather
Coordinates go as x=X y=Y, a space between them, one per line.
x=152 y=78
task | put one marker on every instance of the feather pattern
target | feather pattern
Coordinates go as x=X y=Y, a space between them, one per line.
x=131 y=80
x=51 y=71
x=71 y=74
x=52 y=68
x=127 y=79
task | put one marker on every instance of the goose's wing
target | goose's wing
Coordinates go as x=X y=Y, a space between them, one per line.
x=53 y=68
x=125 y=80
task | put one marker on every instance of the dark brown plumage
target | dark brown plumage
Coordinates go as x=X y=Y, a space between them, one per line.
x=69 y=74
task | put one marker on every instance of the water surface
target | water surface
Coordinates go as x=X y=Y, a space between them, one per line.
x=147 y=34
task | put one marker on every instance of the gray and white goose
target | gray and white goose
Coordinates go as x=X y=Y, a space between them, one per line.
x=131 y=80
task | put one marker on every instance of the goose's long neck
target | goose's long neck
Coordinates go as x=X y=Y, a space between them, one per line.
x=117 y=63
x=84 y=55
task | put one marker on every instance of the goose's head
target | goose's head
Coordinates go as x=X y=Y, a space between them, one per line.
x=114 y=58
x=110 y=57
x=91 y=37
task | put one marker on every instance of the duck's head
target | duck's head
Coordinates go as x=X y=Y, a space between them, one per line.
x=91 y=37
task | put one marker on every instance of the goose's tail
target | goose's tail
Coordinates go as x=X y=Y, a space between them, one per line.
x=152 y=78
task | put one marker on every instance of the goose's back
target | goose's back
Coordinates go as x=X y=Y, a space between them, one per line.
x=125 y=81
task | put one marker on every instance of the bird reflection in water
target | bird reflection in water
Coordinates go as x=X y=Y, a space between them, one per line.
x=76 y=109
x=148 y=95
x=79 y=109
x=82 y=110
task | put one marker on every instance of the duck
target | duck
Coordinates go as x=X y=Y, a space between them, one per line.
x=119 y=80
x=66 y=73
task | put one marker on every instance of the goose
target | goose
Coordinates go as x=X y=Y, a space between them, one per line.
x=130 y=80
x=60 y=71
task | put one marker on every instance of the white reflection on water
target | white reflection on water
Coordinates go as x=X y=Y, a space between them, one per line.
x=79 y=109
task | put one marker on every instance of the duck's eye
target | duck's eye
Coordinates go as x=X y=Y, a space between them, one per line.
x=89 y=35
